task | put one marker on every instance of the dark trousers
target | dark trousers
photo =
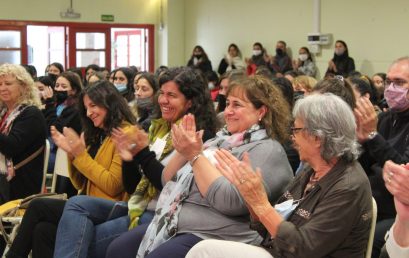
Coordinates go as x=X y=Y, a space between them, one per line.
x=379 y=238
x=38 y=229
x=127 y=245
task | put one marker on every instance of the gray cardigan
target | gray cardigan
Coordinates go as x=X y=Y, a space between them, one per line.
x=222 y=213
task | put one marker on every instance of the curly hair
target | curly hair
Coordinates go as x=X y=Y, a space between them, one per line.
x=194 y=87
x=29 y=92
x=260 y=91
x=105 y=95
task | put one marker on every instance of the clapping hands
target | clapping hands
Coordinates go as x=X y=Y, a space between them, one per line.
x=69 y=141
x=129 y=144
x=185 y=139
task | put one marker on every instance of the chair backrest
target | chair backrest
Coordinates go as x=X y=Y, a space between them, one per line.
x=45 y=168
x=60 y=167
x=372 y=231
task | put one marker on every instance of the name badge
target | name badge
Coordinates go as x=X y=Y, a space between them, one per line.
x=159 y=145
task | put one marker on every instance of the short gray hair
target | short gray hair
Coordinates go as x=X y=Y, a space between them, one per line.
x=331 y=119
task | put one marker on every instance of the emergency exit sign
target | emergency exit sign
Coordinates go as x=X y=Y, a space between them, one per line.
x=107 y=17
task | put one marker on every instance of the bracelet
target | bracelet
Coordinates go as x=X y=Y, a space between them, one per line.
x=193 y=160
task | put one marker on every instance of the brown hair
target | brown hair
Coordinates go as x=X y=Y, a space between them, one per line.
x=260 y=91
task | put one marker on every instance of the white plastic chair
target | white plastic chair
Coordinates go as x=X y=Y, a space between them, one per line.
x=46 y=158
x=60 y=167
x=372 y=231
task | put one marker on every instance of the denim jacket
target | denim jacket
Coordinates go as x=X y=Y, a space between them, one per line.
x=332 y=220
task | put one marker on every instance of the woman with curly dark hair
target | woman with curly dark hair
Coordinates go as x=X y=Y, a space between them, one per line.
x=182 y=90
x=94 y=167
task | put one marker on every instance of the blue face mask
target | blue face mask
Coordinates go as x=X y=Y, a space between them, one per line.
x=121 y=87
x=286 y=208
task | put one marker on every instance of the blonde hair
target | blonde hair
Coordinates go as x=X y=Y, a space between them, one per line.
x=29 y=93
x=306 y=82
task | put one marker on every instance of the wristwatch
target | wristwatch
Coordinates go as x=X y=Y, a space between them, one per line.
x=372 y=135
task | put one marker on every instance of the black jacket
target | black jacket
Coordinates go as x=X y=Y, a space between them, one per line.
x=391 y=143
x=26 y=136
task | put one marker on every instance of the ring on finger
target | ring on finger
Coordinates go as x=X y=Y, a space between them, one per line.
x=242 y=180
x=132 y=146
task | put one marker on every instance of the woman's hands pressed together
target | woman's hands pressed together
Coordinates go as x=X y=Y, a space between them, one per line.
x=185 y=139
x=69 y=141
x=248 y=182
x=129 y=144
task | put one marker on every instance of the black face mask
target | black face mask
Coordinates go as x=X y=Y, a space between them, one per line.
x=198 y=56
x=61 y=96
x=279 y=51
x=53 y=77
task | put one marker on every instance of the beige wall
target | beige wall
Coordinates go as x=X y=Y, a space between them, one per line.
x=375 y=30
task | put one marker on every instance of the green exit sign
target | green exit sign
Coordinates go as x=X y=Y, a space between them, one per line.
x=107 y=17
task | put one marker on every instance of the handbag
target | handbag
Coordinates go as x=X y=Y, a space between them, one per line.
x=11 y=213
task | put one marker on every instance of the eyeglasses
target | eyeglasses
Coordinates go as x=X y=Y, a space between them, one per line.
x=397 y=82
x=295 y=130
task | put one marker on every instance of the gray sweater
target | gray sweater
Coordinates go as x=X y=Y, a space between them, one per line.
x=222 y=213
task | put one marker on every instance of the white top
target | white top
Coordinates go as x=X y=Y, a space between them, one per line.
x=394 y=250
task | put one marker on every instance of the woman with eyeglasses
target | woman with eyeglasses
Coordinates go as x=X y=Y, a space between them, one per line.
x=326 y=211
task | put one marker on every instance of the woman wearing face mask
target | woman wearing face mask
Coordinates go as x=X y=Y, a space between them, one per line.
x=341 y=63
x=257 y=59
x=123 y=81
x=200 y=60
x=94 y=167
x=60 y=111
x=304 y=63
x=145 y=86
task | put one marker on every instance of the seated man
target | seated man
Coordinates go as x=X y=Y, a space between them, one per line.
x=386 y=139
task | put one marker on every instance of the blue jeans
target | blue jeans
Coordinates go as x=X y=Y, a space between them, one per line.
x=86 y=228
x=127 y=245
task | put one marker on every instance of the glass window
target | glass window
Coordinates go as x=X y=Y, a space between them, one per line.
x=84 y=58
x=8 y=56
x=10 y=39
x=93 y=40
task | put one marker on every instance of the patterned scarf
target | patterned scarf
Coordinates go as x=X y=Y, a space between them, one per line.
x=164 y=225
x=145 y=191
x=6 y=164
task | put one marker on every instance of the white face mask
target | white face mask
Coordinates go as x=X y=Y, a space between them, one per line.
x=303 y=57
x=211 y=85
x=256 y=52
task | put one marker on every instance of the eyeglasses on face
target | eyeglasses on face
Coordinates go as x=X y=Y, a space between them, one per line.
x=396 y=82
x=295 y=130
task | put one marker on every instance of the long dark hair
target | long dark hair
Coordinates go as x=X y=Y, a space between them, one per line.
x=204 y=55
x=194 y=87
x=129 y=74
x=104 y=95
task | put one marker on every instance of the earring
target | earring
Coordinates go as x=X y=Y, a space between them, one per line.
x=259 y=119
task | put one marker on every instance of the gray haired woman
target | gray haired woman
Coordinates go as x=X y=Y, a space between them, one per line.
x=326 y=210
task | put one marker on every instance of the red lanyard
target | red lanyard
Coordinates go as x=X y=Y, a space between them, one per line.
x=3 y=122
